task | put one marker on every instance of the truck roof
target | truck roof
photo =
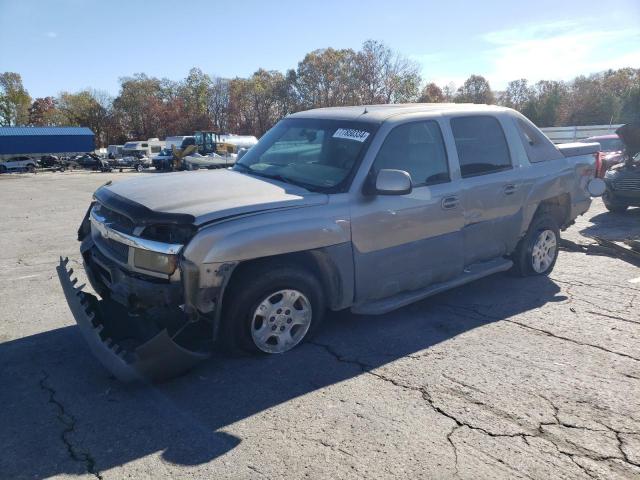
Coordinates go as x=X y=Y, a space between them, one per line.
x=380 y=113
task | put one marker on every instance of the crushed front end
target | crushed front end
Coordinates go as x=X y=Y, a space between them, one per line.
x=144 y=323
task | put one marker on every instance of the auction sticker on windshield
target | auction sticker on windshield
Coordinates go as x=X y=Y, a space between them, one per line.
x=351 y=134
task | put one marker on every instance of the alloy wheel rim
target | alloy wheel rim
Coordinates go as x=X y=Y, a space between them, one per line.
x=281 y=321
x=544 y=251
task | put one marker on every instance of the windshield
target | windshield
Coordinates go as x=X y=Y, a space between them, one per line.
x=313 y=153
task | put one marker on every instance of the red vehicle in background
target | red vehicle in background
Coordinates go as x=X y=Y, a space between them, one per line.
x=610 y=153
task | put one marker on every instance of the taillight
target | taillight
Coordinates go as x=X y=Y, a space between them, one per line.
x=599 y=165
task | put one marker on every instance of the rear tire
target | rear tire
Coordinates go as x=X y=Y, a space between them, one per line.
x=139 y=168
x=537 y=251
x=260 y=313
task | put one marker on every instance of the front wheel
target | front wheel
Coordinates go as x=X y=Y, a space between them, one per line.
x=139 y=168
x=271 y=309
x=537 y=252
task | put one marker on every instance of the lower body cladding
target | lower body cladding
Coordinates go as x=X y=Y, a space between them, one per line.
x=139 y=328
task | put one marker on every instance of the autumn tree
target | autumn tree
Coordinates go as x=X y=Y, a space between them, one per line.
x=44 y=111
x=14 y=100
x=432 y=93
x=258 y=102
x=218 y=103
x=88 y=108
x=385 y=76
x=140 y=105
x=475 y=89
x=517 y=95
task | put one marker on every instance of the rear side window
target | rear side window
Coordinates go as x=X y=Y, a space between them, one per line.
x=418 y=149
x=538 y=147
x=481 y=145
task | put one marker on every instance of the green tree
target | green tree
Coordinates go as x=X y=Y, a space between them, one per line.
x=476 y=89
x=518 y=95
x=324 y=78
x=14 y=100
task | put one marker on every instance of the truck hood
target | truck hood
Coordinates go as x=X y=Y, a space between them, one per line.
x=203 y=196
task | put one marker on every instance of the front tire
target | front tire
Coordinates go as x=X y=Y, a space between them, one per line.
x=271 y=309
x=537 y=251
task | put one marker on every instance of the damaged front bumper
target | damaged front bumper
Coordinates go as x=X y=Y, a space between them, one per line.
x=134 y=347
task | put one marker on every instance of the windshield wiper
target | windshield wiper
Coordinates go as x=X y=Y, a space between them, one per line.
x=278 y=177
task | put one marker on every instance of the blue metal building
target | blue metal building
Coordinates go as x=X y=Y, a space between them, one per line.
x=35 y=141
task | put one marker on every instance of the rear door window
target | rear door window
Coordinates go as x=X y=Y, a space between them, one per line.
x=538 y=147
x=481 y=145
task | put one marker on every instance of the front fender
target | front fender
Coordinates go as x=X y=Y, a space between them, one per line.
x=269 y=234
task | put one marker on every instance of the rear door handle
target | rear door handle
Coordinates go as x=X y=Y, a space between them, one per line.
x=509 y=189
x=450 y=202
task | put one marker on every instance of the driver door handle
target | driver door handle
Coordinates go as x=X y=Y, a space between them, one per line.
x=450 y=202
x=509 y=189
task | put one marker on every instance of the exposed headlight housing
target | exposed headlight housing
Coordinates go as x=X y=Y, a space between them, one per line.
x=154 y=261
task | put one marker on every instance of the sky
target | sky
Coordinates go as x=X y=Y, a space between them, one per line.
x=70 y=45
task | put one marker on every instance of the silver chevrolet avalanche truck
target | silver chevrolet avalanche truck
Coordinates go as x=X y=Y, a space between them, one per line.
x=368 y=208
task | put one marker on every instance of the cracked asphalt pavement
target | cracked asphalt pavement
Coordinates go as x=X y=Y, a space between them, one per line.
x=532 y=378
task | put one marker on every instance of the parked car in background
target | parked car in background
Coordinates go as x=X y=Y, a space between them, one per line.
x=114 y=151
x=611 y=147
x=368 y=208
x=163 y=160
x=623 y=180
x=92 y=161
x=19 y=163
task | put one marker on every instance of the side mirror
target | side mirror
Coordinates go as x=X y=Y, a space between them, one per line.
x=393 y=182
x=596 y=187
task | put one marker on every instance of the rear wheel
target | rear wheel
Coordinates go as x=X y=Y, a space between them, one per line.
x=537 y=252
x=31 y=168
x=271 y=309
x=139 y=167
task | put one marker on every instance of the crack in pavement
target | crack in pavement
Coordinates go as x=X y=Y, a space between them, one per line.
x=69 y=423
x=540 y=430
x=613 y=317
x=476 y=311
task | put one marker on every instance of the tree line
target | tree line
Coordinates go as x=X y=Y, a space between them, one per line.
x=148 y=107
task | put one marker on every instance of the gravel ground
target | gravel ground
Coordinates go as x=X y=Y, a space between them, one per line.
x=504 y=378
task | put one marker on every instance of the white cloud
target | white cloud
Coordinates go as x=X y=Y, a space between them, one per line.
x=558 y=51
